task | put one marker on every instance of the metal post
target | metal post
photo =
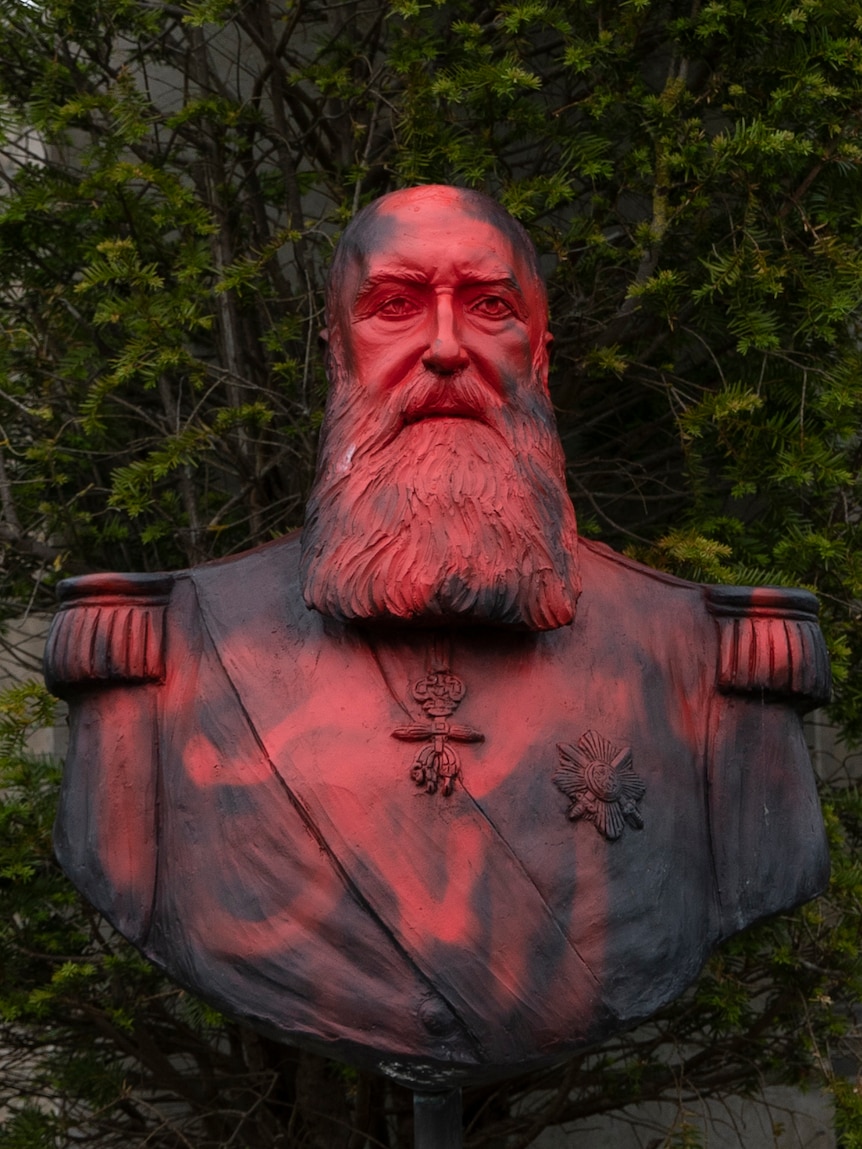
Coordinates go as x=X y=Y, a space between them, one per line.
x=437 y=1120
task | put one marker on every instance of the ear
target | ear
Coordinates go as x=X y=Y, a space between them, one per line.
x=541 y=359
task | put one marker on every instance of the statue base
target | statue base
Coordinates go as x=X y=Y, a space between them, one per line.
x=437 y=1120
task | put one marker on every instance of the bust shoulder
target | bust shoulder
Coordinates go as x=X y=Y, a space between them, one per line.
x=601 y=563
x=272 y=567
x=769 y=641
x=109 y=628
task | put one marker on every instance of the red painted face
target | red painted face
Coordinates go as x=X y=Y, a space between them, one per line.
x=440 y=492
x=443 y=293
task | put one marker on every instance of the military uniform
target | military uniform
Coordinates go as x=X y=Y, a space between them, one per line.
x=256 y=797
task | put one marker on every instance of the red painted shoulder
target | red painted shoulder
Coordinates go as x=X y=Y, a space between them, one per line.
x=771 y=643
x=109 y=628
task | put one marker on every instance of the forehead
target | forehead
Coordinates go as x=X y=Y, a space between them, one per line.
x=437 y=238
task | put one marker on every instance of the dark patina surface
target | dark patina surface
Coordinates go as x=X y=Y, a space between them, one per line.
x=435 y=787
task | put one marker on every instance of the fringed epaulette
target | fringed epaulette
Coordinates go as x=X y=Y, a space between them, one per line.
x=770 y=643
x=109 y=628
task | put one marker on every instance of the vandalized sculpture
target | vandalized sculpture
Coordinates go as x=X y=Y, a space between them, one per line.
x=435 y=786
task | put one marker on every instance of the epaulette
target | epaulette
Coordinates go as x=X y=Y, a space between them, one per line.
x=771 y=643
x=109 y=628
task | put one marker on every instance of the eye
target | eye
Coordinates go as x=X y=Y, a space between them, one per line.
x=492 y=307
x=397 y=307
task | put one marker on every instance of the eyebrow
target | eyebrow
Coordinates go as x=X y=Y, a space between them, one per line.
x=403 y=275
x=408 y=275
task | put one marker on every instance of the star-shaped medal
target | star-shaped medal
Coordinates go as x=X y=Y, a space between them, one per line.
x=599 y=780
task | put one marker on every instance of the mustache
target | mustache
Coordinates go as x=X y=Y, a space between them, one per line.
x=430 y=395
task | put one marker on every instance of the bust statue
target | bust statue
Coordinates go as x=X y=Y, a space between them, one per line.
x=434 y=785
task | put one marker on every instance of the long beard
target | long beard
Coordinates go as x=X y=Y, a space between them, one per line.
x=459 y=516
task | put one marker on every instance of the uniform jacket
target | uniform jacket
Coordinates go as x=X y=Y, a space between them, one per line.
x=240 y=801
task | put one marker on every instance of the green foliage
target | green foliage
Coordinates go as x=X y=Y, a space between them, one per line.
x=690 y=173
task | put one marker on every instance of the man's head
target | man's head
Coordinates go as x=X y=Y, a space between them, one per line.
x=467 y=235
x=440 y=494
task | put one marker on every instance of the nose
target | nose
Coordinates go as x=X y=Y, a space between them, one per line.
x=445 y=355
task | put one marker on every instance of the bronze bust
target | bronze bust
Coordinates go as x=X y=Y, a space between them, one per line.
x=436 y=786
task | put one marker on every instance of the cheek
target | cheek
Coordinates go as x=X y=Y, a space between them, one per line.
x=381 y=359
x=505 y=354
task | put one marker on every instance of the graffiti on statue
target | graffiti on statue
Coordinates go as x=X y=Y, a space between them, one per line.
x=434 y=785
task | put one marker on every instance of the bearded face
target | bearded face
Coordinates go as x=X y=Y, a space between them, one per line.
x=440 y=494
